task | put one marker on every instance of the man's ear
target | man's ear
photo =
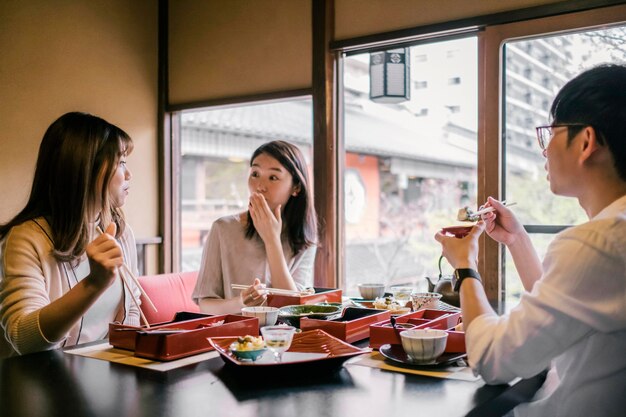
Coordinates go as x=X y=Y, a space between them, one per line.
x=589 y=144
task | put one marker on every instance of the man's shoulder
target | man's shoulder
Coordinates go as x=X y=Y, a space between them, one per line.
x=607 y=233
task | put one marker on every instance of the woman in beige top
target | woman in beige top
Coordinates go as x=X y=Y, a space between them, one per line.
x=58 y=275
x=271 y=244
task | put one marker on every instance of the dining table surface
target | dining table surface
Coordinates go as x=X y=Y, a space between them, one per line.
x=56 y=383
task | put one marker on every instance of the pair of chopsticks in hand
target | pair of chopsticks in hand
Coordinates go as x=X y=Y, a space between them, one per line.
x=123 y=270
x=269 y=290
x=467 y=214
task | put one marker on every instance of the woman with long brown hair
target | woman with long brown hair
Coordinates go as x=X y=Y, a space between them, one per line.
x=272 y=244
x=59 y=282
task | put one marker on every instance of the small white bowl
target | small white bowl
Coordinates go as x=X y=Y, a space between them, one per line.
x=424 y=345
x=371 y=291
x=422 y=300
x=267 y=315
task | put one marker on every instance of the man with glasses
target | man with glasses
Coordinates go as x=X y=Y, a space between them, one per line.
x=572 y=317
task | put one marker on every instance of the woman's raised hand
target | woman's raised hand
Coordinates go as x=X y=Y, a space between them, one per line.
x=501 y=225
x=268 y=224
x=105 y=256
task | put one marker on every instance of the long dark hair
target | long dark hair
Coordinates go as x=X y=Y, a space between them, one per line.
x=299 y=218
x=78 y=156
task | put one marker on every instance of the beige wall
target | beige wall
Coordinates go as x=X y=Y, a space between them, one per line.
x=94 y=56
x=238 y=47
x=355 y=18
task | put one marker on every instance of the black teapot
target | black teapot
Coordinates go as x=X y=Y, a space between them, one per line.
x=444 y=287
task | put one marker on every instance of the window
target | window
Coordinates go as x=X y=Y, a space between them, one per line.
x=215 y=149
x=408 y=168
x=564 y=55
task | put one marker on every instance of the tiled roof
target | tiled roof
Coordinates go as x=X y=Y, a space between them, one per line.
x=398 y=134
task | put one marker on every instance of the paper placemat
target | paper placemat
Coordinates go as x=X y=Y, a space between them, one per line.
x=106 y=352
x=376 y=360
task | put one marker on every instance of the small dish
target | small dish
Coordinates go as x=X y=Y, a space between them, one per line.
x=457 y=231
x=291 y=315
x=428 y=300
x=397 y=355
x=248 y=347
x=248 y=355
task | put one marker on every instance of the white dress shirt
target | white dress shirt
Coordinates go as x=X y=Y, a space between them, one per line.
x=574 y=320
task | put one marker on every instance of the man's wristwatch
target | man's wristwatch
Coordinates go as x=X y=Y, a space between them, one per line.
x=461 y=274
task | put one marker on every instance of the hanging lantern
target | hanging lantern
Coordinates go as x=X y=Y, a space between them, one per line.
x=389 y=76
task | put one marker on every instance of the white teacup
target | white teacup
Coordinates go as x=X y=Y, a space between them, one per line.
x=371 y=291
x=267 y=315
x=424 y=345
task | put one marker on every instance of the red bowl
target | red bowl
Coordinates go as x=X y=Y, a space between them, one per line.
x=457 y=231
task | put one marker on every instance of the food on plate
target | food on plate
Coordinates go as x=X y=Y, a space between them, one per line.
x=387 y=303
x=247 y=343
x=308 y=291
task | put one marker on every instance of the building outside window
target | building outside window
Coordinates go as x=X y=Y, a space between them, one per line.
x=409 y=166
x=539 y=67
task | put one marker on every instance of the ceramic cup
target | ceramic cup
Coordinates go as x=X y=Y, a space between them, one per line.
x=424 y=345
x=267 y=315
x=422 y=300
x=371 y=291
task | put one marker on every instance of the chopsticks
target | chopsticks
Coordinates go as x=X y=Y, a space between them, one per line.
x=125 y=268
x=466 y=214
x=277 y=291
x=490 y=209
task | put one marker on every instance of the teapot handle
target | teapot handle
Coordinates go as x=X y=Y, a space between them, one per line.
x=439 y=263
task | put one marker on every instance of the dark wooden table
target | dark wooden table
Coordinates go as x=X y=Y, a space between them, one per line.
x=58 y=384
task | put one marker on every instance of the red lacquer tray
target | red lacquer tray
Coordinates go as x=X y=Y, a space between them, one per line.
x=320 y=352
x=178 y=339
x=353 y=325
x=330 y=295
x=382 y=332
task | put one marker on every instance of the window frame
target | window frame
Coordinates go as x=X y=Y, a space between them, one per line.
x=492 y=31
x=494 y=37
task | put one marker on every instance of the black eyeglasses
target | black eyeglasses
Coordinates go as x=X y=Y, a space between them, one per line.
x=546 y=133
